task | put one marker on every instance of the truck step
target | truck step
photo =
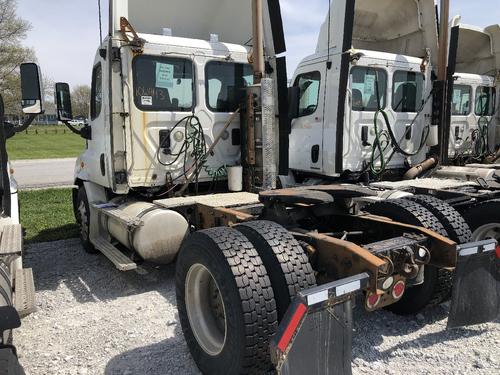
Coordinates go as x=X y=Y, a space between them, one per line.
x=120 y=260
x=112 y=211
x=24 y=297
x=12 y=240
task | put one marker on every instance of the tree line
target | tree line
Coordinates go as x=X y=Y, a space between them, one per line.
x=13 y=31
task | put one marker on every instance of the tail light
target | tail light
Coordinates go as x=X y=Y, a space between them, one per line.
x=498 y=251
x=398 y=289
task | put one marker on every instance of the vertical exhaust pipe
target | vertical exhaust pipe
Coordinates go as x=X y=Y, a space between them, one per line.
x=441 y=87
x=258 y=41
x=260 y=123
x=443 y=40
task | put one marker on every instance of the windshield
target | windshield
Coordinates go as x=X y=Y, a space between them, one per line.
x=163 y=84
x=225 y=83
x=461 y=100
x=407 y=91
x=364 y=95
x=485 y=101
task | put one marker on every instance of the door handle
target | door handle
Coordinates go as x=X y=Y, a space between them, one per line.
x=315 y=154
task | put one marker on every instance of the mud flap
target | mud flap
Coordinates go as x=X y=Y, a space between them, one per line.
x=476 y=285
x=9 y=319
x=315 y=335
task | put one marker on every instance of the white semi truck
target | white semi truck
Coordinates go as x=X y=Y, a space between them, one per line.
x=385 y=121
x=475 y=109
x=17 y=290
x=186 y=92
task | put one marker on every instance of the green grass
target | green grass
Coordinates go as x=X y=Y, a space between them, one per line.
x=47 y=215
x=45 y=142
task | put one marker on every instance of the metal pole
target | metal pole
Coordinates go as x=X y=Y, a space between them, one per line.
x=443 y=39
x=258 y=41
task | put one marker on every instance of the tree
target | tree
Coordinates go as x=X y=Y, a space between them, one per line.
x=13 y=30
x=80 y=101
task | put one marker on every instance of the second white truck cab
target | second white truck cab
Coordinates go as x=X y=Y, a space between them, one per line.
x=474 y=127
x=350 y=103
x=474 y=104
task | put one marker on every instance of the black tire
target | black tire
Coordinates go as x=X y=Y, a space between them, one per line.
x=248 y=301
x=453 y=222
x=286 y=262
x=5 y=298
x=83 y=211
x=481 y=214
x=9 y=364
x=436 y=284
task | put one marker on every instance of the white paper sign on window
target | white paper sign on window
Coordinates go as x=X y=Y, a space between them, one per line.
x=164 y=75
x=369 y=88
x=457 y=96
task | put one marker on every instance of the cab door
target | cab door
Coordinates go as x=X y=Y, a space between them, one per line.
x=364 y=100
x=484 y=110
x=306 y=138
x=461 y=119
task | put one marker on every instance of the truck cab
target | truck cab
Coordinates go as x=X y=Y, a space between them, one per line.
x=474 y=104
x=402 y=93
x=174 y=81
x=474 y=109
x=159 y=88
x=350 y=102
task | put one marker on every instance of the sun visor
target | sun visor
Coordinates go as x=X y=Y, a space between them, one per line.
x=231 y=20
x=404 y=27
x=475 y=55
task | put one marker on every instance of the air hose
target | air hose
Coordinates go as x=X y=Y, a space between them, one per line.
x=391 y=139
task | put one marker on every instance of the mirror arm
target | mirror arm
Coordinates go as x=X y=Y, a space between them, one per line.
x=26 y=124
x=85 y=132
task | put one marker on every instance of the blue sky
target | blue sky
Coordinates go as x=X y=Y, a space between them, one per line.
x=65 y=32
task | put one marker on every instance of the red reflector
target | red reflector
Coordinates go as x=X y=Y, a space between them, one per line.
x=292 y=326
x=498 y=251
x=372 y=300
x=398 y=289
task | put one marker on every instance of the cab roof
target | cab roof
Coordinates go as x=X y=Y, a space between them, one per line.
x=231 y=20
x=478 y=49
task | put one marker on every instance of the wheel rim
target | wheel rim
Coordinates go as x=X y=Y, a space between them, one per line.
x=84 y=226
x=205 y=309
x=486 y=232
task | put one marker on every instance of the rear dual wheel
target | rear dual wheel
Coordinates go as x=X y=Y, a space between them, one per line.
x=226 y=303
x=285 y=260
x=484 y=220
x=233 y=286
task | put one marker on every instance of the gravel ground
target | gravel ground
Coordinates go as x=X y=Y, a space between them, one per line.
x=93 y=319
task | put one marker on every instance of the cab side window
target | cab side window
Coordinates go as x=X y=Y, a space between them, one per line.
x=485 y=101
x=309 y=84
x=96 y=92
x=461 y=102
x=408 y=89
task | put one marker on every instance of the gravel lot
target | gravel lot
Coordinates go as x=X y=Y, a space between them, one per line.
x=93 y=319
